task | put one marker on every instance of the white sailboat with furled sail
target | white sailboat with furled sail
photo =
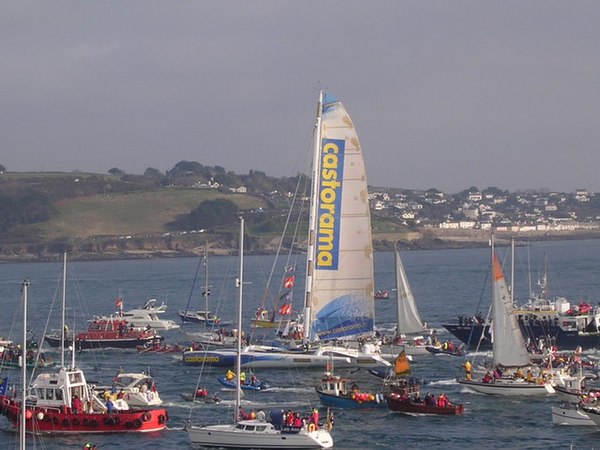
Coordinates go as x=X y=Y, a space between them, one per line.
x=338 y=302
x=256 y=433
x=510 y=355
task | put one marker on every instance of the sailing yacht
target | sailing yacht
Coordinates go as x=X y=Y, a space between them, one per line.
x=409 y=326
x=255 y=433
x=339 y=303
x=509 y=349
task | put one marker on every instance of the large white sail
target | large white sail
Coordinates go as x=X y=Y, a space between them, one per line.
x=408 y=318
x=339 y=289
x=509 y=345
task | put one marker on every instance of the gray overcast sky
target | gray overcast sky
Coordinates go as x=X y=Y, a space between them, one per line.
x=444 y=94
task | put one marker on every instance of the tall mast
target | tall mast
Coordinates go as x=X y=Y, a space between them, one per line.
x=64 y=306
x=25 y=286
x=310 y=256
x=238 y=360
x=206 y=287
x=512 y=270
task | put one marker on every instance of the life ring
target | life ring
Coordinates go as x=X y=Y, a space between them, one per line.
x=311 y=427
x=65 y=423
x=146 y=417
x=137 y=423
x=161 y=419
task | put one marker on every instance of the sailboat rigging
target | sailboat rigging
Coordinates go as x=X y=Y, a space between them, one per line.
x=509 y=349
x=339 y=282
x=254 y=433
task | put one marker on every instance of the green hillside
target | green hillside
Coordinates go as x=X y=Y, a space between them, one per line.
x=133 y=213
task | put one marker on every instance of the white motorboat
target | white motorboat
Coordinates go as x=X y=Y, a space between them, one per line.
x=138 y=389
x=570 y=414
x=149 y=316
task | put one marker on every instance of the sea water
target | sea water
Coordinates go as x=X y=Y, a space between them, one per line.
x=446 y=283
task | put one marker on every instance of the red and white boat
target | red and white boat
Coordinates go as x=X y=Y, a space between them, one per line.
x=51 y=409
x=108 y=332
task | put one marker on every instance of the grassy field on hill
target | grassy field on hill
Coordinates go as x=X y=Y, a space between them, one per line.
x=135 y=213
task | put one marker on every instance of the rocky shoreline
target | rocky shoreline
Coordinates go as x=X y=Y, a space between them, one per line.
x=427 y=239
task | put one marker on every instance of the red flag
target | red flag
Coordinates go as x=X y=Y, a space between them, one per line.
x=285 y=309
x=288 y=283
x=119 y=303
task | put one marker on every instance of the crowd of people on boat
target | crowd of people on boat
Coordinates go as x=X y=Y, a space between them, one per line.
x=14 y=353
x=250 y=379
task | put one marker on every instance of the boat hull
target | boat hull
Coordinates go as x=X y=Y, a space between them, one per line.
x=228 y=436
x=46 y=420
x=564 y=339
x=277 y=359
x=337 y=401
x=570 y=415
x=508 y=388
x=399 y=403
x=88 y=344
x=258 y=386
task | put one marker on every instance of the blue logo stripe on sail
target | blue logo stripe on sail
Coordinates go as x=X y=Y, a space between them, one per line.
x=344 y=316
x=329 y=205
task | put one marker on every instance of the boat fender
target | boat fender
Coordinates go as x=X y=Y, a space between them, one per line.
x=146 y=417
x=127 y=424
x=75 y=422
x=377 y=399
x=117 y=420
x=137 y=423
x=65 y=423
x=311 y=427
x=94 y=423
x=86 y=422
x=55 y=420
x=161 y=419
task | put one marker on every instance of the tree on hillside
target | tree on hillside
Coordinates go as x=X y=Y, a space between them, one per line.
x=152 y=172
x=213 y=213
x=185 y=168
x=116 y=172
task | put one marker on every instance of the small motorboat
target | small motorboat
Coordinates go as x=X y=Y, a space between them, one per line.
x=410 y=405
x=200 y=396
x=250 y=383
x=333 y=392
x=570 y=414
x=450 y=350
x=381 y=295
x=138 y=389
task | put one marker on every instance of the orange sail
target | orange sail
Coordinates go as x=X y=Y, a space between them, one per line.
x=402 y=365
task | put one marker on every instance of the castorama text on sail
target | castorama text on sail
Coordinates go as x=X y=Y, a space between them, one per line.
x=329 y=204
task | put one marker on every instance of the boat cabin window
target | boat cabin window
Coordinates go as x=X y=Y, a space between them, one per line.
x=41 y=393
x=260 y=428
x=58 y=394
x=50 y=394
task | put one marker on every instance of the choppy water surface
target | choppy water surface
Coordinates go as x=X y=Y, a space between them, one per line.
x=446 y=283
